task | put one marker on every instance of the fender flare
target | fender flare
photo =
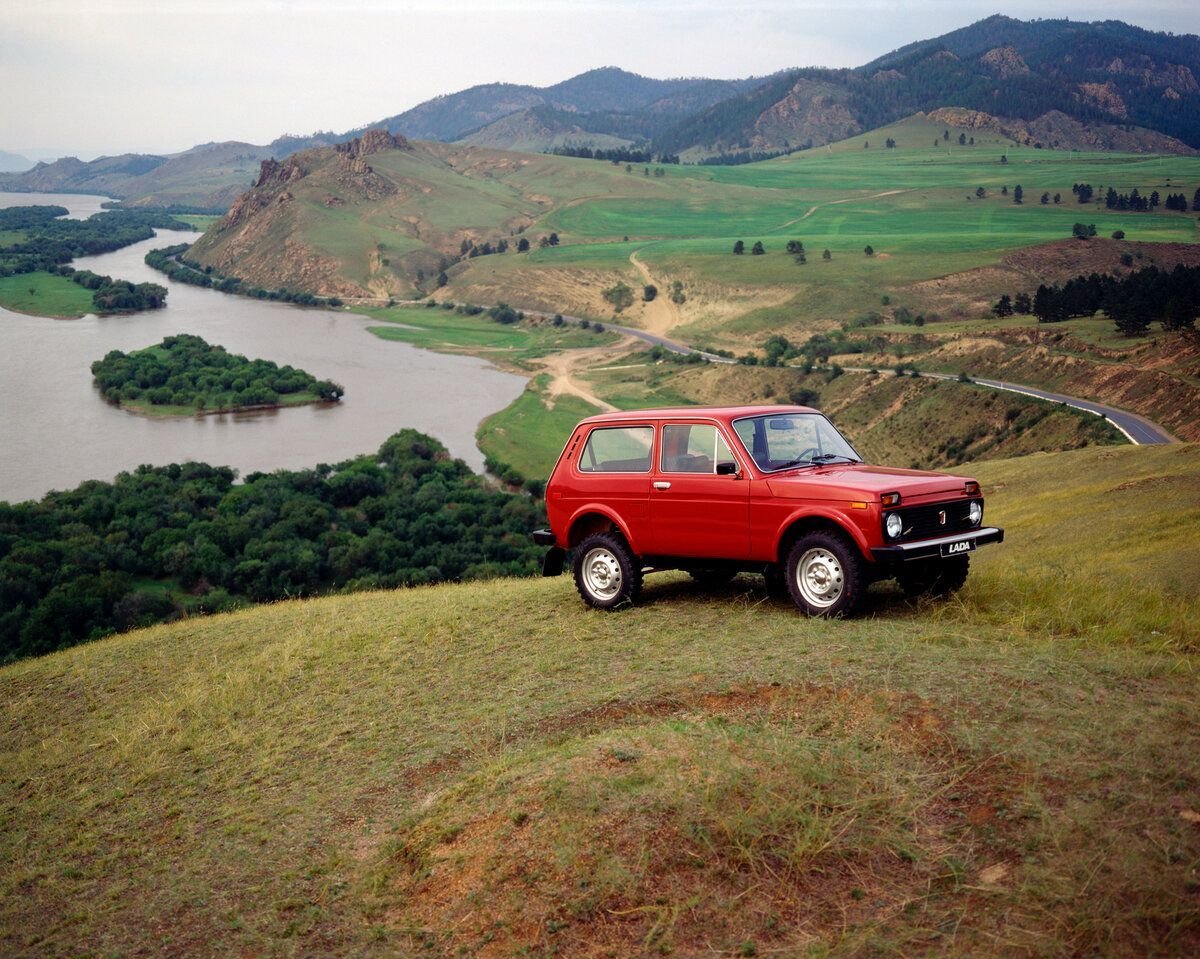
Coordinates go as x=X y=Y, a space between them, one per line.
x=825 y=516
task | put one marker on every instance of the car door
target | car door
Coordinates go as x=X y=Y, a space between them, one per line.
x=612 y=475
x=694 y=510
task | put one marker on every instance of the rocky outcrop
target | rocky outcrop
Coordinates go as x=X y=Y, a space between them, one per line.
x=373 y=141
x=1057 y=131
x=1106 y=96
x=810 y=113
x=1005 y=62
x=1154 y=74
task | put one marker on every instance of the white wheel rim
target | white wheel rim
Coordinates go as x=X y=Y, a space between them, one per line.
x=820 y=578
x=602 y=573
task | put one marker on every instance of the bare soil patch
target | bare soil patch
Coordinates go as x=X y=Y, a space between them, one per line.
x=741 y=822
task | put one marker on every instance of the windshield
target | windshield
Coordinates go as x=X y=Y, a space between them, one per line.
x=778 y=441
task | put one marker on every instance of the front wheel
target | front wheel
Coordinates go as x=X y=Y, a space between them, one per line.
x=607 y=574
x=825 y=575
x=935 y=577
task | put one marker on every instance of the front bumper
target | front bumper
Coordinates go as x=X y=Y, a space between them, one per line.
x=933 y=548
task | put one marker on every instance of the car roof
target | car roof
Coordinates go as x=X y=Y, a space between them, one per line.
x=692 y=412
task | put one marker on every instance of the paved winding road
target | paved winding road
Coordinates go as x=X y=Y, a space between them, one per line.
x=1138 y=429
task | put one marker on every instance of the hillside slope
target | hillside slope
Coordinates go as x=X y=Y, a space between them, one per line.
x=210 y=176
x=493 y=768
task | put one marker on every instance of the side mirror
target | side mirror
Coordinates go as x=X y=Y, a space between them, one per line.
x=727 y=468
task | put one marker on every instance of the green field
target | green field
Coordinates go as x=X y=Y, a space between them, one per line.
x=44 y=294
x=493 y=769
x=530 y=433
x=449 y=331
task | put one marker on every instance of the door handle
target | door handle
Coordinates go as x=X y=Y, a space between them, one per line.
x=662 y=485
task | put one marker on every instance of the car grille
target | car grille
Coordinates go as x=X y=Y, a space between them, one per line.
x=924 y=522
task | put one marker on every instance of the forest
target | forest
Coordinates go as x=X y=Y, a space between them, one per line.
x=185 y=371
x=40 y=240
x=159 y=543
x=1133 y=302
x=43 y=240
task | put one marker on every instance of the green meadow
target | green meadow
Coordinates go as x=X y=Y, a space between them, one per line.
x=44 y=294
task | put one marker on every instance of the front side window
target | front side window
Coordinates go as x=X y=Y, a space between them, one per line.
x=693 y=448
x=788 y=440
x=621 y=449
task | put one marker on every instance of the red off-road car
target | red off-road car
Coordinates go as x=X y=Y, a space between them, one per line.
x=768 y=489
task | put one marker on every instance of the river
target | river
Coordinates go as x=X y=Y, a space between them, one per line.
x=57 y=431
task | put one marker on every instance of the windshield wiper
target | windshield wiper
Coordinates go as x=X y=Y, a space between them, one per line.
x=827 y=457
x=791 y=463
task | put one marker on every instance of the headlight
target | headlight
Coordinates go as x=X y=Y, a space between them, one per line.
x=894 y=525
x=975 y=512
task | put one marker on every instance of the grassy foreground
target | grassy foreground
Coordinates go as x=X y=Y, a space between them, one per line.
x=493 y=770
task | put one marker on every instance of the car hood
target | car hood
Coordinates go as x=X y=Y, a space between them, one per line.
x=858 y=480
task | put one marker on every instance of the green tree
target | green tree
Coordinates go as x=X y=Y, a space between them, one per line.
x=1018 y=194
x=620 y=296
x=826 y=255
x=869 y=250
x=757 y=249
x=739 y=247
x=649 y=292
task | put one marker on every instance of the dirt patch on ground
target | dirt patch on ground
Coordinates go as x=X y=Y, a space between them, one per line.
x=967 y=293
x=741 y=822
x=565 y=366
x=1063 y=260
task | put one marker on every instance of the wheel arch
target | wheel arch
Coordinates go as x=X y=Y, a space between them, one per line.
x=820 y=522
x=591 y=521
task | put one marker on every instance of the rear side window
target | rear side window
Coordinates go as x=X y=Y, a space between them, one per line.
x=693 y=448
x=622 y=449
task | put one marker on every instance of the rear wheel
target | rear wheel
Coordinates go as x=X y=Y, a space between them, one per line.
x=825 y=575
x=607 y=574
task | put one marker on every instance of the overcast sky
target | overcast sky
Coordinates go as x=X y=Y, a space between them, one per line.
x=91 y=77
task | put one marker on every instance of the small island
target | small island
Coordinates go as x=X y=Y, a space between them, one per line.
x=185 y=376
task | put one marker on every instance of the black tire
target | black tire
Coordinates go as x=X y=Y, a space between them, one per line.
x=712 y=577
x=825 y=575
x=607 y=574
x=935 y=577
x=952 y=575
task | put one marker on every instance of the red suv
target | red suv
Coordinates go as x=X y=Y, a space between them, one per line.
x=768 y=489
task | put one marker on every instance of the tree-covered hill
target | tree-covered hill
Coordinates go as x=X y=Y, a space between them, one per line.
x=163 y=542
x=184 y=374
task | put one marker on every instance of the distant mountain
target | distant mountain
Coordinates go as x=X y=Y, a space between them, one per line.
x=13 y=162
x=1058 y=83
x=607 y=103
x=1095 y=74
x=1108 y=77
x=209 y=176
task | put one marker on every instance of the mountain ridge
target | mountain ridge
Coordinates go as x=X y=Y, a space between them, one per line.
x=1096 y=85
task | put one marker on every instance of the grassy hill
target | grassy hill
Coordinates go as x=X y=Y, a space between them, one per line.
x=495 y=770
x=388 y=228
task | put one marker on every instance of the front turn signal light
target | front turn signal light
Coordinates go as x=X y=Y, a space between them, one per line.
x=972 y=488
x=890 y=499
